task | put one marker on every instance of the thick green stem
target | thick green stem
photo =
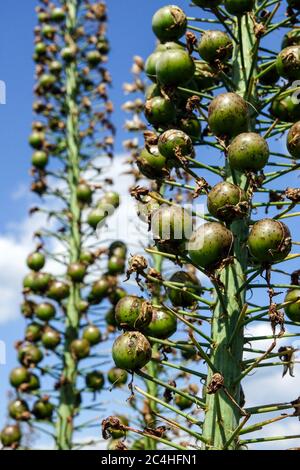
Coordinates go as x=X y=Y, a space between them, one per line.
x=68 y=392
x=223 y=415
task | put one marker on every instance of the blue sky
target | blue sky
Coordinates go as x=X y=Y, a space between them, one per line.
x=130 y=34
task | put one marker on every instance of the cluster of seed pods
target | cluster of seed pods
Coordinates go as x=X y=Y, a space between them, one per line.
x=191 y=103
x=71 y=272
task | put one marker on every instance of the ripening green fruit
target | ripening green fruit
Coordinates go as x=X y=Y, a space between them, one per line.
x=27 y=308
x=93 y=58
x=47 y=81
x=36 y=261
x=286 y=108
x=215 y=46
x=84 y=193
x=117 y=377
x=103 y=46
x=29 y=354
x=110 y=318
x=293 y=140
x=80 y=348
x=210 y=244
x=182 y=297
x=151 y=163
x=131 y=351
x=133 y=313
x=55 y=67
x=33 y=384
x=100 y=289
x=117 y=248
x=288 y=63
x=169 y=23
x=269 y=241
x=92 y=334
x=116 y=294
x=96 y=216
x=87 y=257
x=43 y=409
x=11 y=436
x=48 y=31
x=95 y=380
x=77 y=271
x=160 y=111
x=58 y=290
x=175 y=67
x=45 y=311
x=174 y=143
x=118 y=433
x=33 y=332
x=51 y=338
x=150 y=65
x=239 y=7
x=292 y=310
x=163 y=324
x=115 y=265
x=18 y=410
x=19 y=376
x=172 y=223
x=183 y=403
x=37 y=281
x=40 y=159
x=191 y=126
x=57 y=14
x=227 y=202
x=68 y=54
x=40 y=49
x=228 y=115
x=111 y=198
x=37 y=140
x=205 y=75
x=291 y=38
x=83 y=306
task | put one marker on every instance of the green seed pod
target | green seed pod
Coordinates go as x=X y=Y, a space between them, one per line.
x=29 y=355
x=291 y=38
x=100 y=289
x=19 y=376
x=51 y=339
x=95 y=380
x=117 y=377
x=131 y=351
x=115 y=265
x=77 y=271
x=55 y=67
x=160 y=111
x=116 y=294
x=57 y=15
x=269 y=241
x=110 y=318
x=45 y=311
x=36 y=261
x=210 y=244
x=80 y=348
x=58 y=290
x=191 y=126
x=92 y=334
x=68 y=54
x=133 y=313
x=103 y=46
x=288 y=63
x=93 y=58
x=43 y=409
x=37 y=140
x=33 y=332
x=47 y=81
x=150 y=65
x=117 y=248
x=227 y=202
x=183 y=403
x=27 y=308
x=172 y=223
x=292 y=310
x=162 y=325
x=286 y=108
x=293 y=140
x=169 y=23
x=151 y=163
x=205 y=76
x=33 y=384
x=84 y=193
x=110 y=198
x=239 y=7
x=87 y=257
x=175 y=67
x=182 y=297
x=248 y=151
x=96 y=216
x=18 y=410
x=41 y=282
x=228 y=115
x=40 y=159
x=11 y=436
x=118 y=433
x=174 y=143
x=215 y=46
